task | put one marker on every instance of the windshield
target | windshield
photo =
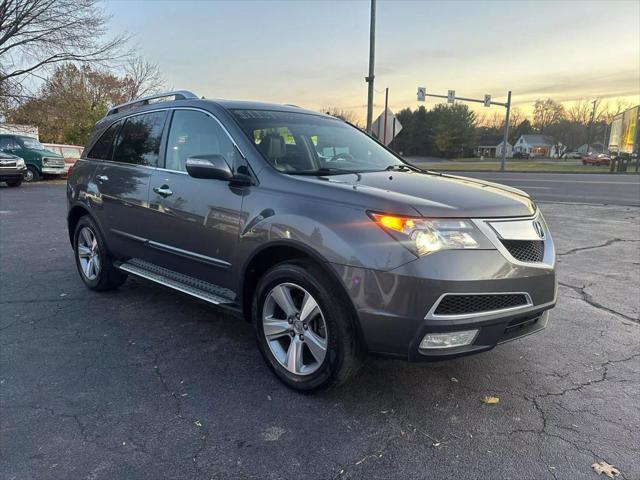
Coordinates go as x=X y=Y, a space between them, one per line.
x=31 y=143
x=299 y=143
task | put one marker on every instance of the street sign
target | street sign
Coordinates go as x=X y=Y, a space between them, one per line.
x=487 y=100
x=422 y=93
x=392 y=124
x=451 y=96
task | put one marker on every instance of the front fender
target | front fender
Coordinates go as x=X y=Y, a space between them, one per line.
x=337 y=234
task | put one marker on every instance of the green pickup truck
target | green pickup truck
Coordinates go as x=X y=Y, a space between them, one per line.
x=39 y=160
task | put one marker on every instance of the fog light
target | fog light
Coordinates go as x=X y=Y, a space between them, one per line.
x=448 y=340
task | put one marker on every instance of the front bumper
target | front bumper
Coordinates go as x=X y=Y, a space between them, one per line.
x=12 y=173
x=393 y=307
x=48 y=170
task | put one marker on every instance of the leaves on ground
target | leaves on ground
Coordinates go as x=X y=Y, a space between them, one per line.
x=490 y=400
x=603 y=468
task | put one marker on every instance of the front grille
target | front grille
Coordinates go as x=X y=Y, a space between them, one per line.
x=531 y=251
x=454 y=304
x=53 y=162
x=7 y=164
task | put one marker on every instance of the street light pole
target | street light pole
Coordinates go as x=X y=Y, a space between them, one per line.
x=506 y=133
x=369 y=79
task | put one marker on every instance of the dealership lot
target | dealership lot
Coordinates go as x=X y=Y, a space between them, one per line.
x=146 y=383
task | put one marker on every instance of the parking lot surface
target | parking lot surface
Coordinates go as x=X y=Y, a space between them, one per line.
x=145 y=383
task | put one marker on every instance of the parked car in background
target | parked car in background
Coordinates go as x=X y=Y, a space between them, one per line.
x=71 y=153
x=574 y=155
x=330 y=244
x=596 y=159
x=38 y=159
x=12 y=169
x=521 y=155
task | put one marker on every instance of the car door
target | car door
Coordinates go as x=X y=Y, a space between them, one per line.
x=123 y=179
x=195 y=222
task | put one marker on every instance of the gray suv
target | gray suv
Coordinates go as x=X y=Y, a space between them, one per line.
x=329 y=243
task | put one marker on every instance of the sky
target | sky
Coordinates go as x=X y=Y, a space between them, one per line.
x=315 y=53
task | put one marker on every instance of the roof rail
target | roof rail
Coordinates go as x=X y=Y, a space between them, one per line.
x=138 y=102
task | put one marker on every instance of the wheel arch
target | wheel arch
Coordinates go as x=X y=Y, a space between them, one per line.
x=277 y=252
x=76 y=212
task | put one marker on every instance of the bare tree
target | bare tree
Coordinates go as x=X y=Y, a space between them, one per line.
x=35 y=34
x=346 y=115
x=580 y=112
x=142 y=78
x=546 y=112
x=609 y=110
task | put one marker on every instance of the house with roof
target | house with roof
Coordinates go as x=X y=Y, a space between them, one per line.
x=490 y=146
x=538 y=145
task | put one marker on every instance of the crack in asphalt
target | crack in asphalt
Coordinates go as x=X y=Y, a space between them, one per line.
x=587 y=298
x=593 y=247
x=536 y=402
x=204 y=437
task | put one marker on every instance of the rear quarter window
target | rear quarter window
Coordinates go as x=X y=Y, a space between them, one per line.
x=103 y=148
x=139 y=139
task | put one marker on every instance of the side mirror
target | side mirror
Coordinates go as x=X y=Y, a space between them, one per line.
x=209 y=166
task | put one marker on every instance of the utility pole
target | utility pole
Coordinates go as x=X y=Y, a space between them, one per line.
x=386 y=106
x=451 y=98
x=593 y=116
x=369 y=78
x=506 y=133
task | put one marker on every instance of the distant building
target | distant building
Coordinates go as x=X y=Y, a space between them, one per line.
x=490 y=146
x=538 y=145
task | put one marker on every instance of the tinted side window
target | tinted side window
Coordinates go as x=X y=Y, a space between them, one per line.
x=8 y=143
x=139 y=139
x=103 y=148
x=196 y=133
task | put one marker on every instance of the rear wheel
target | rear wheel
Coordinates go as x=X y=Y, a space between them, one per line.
x=14 y=183
x=92 y=258
x=32 y=174
x=305 y=333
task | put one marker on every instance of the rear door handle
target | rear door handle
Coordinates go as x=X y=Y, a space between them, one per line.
x=163 y=191
x=102 y=178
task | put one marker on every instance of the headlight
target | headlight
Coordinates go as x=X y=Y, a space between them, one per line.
x=20 y=162
x=424 y=236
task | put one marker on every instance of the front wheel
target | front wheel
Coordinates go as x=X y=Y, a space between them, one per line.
x=92 y=258
x=304 y=330
x=14 y=183
x=32 y=174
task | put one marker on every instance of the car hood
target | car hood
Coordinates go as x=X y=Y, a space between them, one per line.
x=435 y=195
x=47 y=153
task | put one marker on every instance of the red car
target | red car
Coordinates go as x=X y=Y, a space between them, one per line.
x=596 y=159
x=71 y=153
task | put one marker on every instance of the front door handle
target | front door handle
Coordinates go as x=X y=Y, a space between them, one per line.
x=163 y=191
x=102 y=178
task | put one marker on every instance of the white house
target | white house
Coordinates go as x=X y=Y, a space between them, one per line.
x=491 y=146
x=538 y=146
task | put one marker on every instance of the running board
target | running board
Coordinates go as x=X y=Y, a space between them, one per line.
x=177 y=281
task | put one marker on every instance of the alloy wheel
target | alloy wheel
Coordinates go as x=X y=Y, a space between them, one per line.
x=88 y=253
x=28 y=176
x=295 y=328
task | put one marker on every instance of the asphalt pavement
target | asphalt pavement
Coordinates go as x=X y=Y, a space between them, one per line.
x=589 y=188
x=145 y=383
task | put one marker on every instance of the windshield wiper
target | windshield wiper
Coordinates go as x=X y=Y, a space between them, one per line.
x=326 y=171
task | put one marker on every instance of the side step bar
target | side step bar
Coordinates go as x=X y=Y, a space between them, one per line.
x=183 y=283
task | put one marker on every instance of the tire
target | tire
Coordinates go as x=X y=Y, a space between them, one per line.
x=14 y=183
x=102 y=275
x=32 y=174
x=344 y=354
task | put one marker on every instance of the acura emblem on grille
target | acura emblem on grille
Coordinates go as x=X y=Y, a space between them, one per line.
x=538 y=228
